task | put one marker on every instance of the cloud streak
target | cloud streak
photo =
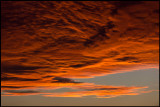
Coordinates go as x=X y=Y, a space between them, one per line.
x=101 y=93
x=88 y=89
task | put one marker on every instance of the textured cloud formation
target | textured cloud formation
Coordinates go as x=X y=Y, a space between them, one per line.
x=101 y=93
x=20 y=92
x=46 y=43
x=87 y=90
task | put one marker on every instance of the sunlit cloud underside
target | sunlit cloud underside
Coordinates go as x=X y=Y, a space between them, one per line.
x=45 y=45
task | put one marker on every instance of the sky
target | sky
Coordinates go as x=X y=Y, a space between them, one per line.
x=101 y=53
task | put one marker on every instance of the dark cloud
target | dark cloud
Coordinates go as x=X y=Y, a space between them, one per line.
x=127 y=59
x=99 y=37
x=92 y=89
x=21 y=91
x=86 y=63
x=79 y=65
x=18 y=69
x=11 y=19
x=112 y=54
x=156 y=11
x=16 y=79
x=14 y=87
x=47 y=76
x=114 y=11
x=110 y=25
x=123 y=4
x=63 y=80
x=66 y=39
x=87 y=7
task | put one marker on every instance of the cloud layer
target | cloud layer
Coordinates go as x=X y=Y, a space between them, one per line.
x=46 y=43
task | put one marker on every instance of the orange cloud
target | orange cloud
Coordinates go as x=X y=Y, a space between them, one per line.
x=103 y=93
x=88 y=89
x=45 y=44
x=97 y=93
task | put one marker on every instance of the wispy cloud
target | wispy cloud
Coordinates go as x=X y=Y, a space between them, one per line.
x=101 y=93
x=87 y=89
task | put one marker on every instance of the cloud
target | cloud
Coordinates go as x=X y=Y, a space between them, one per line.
x=86 y=63
x=19 y=92
x=63 y=80
x=13 y=87
x=17 y=79
x=18 y=69
x=101 y=92
x=81 y=40
x=100 y=36
x=88 y=89
x=127 y=59
x=124 y=4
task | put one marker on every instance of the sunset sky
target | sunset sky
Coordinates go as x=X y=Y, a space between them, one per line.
x=80 y=53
